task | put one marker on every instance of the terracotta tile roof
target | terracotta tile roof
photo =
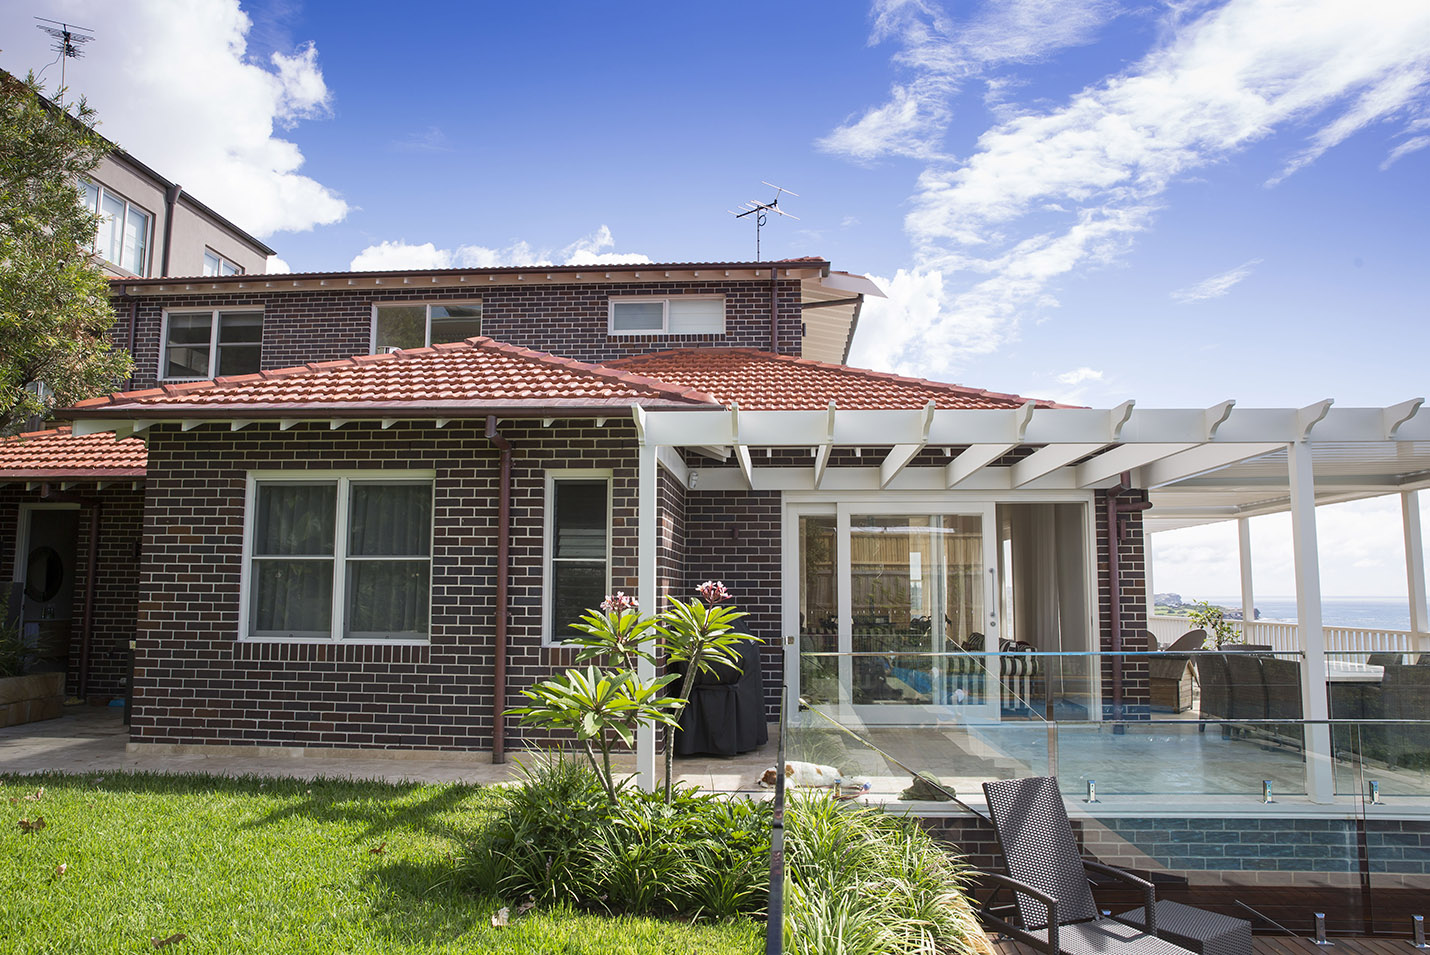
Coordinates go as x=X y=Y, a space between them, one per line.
x=473 y=376
x=58 y=453
x=762 y=381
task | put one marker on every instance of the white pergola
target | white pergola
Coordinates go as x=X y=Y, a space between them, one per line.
x=1199 y=465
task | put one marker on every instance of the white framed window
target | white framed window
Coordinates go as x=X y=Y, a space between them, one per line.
x=577 y=565
x=210 y=342
x=401 y=325
x=672 y=315
x=215 y=264
x=123 y=235
x=337 y=556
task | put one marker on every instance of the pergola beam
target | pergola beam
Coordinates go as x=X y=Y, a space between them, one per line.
x=898 y=458
x=973 y=459
x=1199 y=460
x=1047 y=460
x=1126 y=457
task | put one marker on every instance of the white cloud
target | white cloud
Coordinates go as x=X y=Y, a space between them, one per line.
x=429 y=140
x=1079 y=375
x=400 y=255
x=277 y=264
x=1362 y=553
x=176 y=84
x=942 y=54
x=1049 y=192
x=1216 y=286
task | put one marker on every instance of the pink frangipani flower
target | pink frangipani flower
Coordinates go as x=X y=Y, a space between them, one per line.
x=619 y=602
x=713 y=591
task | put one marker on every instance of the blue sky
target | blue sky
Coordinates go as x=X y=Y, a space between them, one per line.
x=1177 y=202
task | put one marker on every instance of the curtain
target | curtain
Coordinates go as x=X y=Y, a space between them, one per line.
x=388 y=596
x=292 y=559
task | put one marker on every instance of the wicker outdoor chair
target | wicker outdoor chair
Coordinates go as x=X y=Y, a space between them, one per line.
x=1055 y=909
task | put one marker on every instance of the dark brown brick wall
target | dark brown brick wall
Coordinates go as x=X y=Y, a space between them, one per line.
x=116 y=593
x=195 y=683
x=734 y=536
x=1132 y=572
x=568 y=320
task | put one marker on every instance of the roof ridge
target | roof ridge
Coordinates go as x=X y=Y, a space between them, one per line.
x=608 y=372
x=42 y=433
x=851 y=370
x=653 y=386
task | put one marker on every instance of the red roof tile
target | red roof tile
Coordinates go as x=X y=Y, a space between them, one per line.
x=58 y=454
x=762 y=381
x=476 y=375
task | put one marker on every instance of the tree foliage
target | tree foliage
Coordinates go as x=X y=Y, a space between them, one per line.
x=54 y=299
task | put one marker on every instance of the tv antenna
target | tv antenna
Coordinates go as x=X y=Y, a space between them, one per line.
x=761 y=211
x=69 y=42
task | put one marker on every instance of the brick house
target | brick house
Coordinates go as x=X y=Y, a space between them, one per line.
x=311 y=555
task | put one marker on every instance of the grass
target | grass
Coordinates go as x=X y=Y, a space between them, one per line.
x=278 y=865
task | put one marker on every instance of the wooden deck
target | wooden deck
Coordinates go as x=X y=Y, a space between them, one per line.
x=1277 y=945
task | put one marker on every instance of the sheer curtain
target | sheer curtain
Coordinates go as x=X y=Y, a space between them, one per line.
x=293 y=546
x=389 y=560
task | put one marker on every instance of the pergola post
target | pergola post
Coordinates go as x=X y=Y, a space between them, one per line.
x=647 y=524
x=1415 y=570
x=1320 y=786
x=1248 y=596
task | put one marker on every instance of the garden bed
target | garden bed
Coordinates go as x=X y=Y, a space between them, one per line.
x=25 y=699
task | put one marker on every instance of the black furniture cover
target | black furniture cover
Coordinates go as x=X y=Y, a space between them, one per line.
x=726 y=713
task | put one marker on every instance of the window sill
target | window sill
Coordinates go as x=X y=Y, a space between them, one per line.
x=329 y=642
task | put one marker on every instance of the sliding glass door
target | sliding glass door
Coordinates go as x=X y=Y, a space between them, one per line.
x=898 y=614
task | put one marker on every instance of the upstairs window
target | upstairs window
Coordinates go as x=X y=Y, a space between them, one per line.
x=395 y=327
x=675 y=315
x=578 y=547
x=210 y=343
x=123 y=236
x=215 y=264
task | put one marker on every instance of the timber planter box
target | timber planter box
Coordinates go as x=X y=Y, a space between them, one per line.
x=24 y=699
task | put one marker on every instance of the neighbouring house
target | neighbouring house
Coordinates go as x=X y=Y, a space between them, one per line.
x=152 y=227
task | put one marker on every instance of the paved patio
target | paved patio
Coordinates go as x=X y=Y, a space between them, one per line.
x=94 y=739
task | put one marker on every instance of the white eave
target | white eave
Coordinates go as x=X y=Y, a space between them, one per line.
x=828 y=328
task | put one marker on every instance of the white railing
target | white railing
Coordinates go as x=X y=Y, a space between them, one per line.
x=1286 y=636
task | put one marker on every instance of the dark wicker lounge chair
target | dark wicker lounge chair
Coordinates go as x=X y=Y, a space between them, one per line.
x=1048 y=876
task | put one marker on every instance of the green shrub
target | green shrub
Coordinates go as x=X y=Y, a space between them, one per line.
x=556 y=838
x=860 y=880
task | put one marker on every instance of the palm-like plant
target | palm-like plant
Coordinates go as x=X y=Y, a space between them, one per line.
x=599 y=707
x=701 y=634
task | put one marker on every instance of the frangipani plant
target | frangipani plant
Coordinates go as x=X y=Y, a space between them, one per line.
x=599 y=707
x=701 y=634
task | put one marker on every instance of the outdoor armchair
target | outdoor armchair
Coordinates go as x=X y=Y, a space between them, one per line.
x=1055 y=911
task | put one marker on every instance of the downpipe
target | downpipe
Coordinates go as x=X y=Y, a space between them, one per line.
x=500 y=609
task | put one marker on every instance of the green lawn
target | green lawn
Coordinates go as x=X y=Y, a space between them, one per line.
x=271 y=865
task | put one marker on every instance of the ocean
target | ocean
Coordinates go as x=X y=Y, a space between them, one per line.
x=1371 y=613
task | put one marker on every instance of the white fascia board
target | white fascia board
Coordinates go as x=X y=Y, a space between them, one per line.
x=1127 y=457
x=846 y=282
x=83 y=426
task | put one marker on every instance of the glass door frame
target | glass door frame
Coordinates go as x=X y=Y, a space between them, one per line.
x=843 y=511
x=797 y=504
